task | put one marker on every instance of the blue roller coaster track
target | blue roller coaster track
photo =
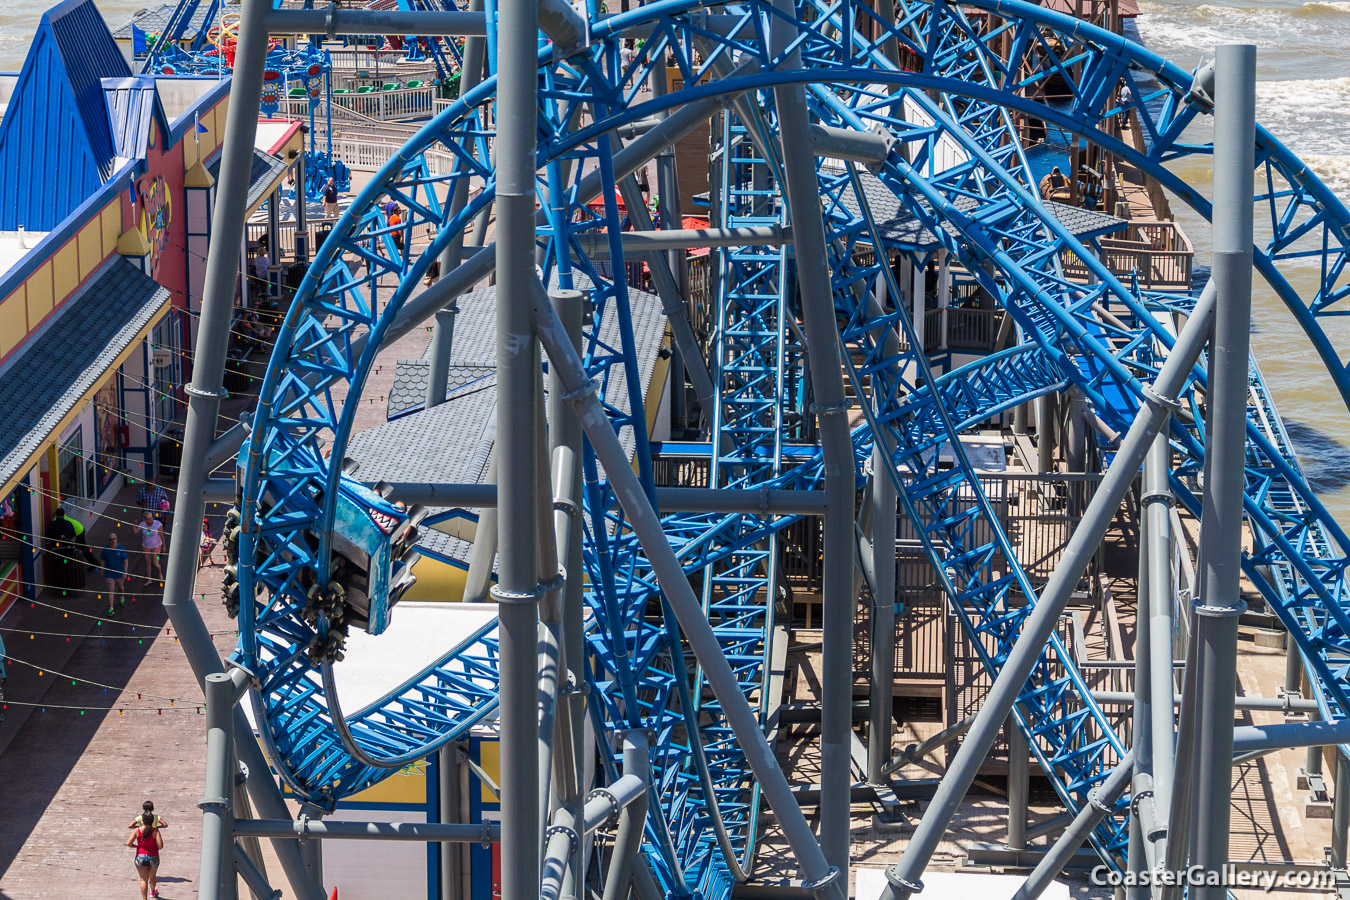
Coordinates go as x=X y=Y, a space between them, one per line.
x=971 y=68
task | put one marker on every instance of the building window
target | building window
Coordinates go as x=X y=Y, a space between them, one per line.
x=74 y=475
x=163 y=379
x=108 y=433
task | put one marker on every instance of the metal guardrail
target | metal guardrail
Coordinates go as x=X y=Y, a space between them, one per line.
x=1157 y=253
x=349 y=59
x=404 y=103
x=973 y=330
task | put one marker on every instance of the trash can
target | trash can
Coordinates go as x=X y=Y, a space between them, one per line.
x=170 y=453
x=237 y=372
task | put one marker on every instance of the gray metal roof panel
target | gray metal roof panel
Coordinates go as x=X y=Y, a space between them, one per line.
x=133 y=105
x=155 y=19
x=46 y=379
x=899 y=227
x=266 y=170
x=451 y=443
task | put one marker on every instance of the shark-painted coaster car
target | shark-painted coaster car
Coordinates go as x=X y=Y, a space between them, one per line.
x=371 y=563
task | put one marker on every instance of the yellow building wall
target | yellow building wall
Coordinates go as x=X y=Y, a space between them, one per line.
x=13 y=320
x=38 y=288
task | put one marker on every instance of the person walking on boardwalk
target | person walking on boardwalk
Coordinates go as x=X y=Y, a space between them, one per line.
x=151 y=531
x=147 y=840
x=152 y=497
x=148 y=808
x=330 y=197
x=115 y=572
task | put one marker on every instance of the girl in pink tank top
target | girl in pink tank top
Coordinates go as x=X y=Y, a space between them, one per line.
x=147 y=841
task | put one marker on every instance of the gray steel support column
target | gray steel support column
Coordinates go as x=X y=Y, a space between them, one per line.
x=1312 y=763
x=1142 y=712
x=564 y=436
x=1045 y=433
x=1293 y=665
x=684 y=603
x=1220 y=602
x=332 y=21
x=1274 y=704
x=1075 y=434
x=667 y=289
x=254 y=877
x=904 y=877
x=1176 y=846
x=204 y=396
x=484 y=551
x=644 y=240
x=628 y=836
x=311 y=830
x=1100 y=801
x=831 y=407
x=448 y=763
x=301 y=211
x=518 y=375
x=217 y=879
x=1157 y=602
x=471 y=73
x=442 y=343
x=884 y=513
x=672 y=217
x=1340 y=811
x=549 y=650
x=1019 y=786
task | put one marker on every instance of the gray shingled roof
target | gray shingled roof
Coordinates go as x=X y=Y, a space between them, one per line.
x=410 y=383
x=266 y=170
x=450 y=443
x=900 y=228
x=156 y=19
x=47 y=379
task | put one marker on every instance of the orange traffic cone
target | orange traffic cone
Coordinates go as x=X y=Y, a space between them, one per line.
x=333 y=896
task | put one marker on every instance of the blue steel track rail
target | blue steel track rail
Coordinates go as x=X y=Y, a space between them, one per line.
x=339 y=303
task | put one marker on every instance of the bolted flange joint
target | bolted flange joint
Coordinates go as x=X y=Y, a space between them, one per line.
x=1158 y=497
x=903 y=884
x=565 y=830
x=1211 y=611
x=823 y=882
x=1095 y=801
x=614 y=807
x=1151 y=394
x=501 y=595
x=572 y=398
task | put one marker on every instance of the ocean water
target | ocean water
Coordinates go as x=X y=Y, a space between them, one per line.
x=1303 y=98
x=19 y=18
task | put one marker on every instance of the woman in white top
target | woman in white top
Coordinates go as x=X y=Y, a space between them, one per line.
x=151 y=531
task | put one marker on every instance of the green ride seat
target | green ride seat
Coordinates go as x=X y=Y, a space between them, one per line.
x=341 y=91
x=414 y=84
x=365 y=89
x=390 y=86
x=296 y=92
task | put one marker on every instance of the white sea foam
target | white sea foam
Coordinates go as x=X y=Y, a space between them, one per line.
x=1334 y=171
x=1323 y=7
x=1308 y=115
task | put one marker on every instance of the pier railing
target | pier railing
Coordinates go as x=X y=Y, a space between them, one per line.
x=404 y=103
x=1157 y=253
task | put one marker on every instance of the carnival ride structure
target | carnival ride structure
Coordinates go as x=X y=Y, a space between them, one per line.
x=801 y=306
